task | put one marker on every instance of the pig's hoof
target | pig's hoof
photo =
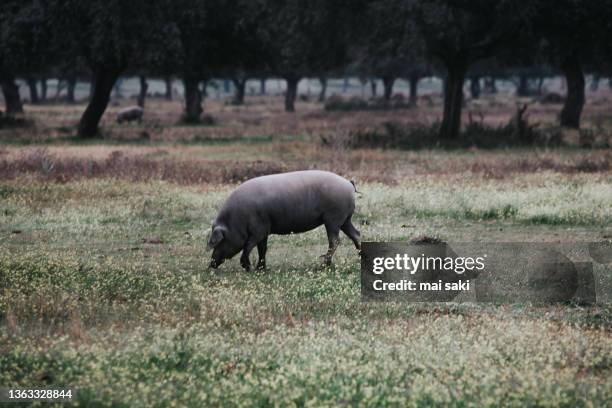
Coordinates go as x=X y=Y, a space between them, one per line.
x=326 y=267
x=326 y=260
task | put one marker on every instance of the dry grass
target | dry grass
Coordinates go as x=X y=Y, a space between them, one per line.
x=231 y=163
x=259 y=138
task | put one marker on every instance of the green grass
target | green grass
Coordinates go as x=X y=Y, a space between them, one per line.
x=85 y=303
x=6 y=190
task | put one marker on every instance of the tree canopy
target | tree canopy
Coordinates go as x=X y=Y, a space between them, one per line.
x=197 y=40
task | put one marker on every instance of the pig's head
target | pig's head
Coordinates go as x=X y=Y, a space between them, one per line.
x=224 y=245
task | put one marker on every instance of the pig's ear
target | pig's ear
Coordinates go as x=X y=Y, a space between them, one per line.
x=216 y=237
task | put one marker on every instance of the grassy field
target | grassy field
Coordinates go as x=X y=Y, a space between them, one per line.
x=104 y=284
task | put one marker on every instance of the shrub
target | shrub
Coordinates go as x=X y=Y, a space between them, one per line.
x=334 y=102
x=552 y=98
x=8 y=121
x=204 y=120
x=338 y=103
x=398 y=136
x=517 y=132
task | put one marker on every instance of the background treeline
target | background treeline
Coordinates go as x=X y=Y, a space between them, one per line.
x=197 y=40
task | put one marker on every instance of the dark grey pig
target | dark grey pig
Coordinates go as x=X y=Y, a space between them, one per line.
x=130 y=114
x=283 y=204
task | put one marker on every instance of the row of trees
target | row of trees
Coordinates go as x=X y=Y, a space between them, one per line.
x=197 y=40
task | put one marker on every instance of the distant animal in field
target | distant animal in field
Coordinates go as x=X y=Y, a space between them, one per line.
x=283 y=204
x=130 y=114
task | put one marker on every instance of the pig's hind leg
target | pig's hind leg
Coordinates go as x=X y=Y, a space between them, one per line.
x=333 y=237
x=349 y=229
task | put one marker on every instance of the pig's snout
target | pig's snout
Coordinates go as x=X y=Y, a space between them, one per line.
x=214 y=264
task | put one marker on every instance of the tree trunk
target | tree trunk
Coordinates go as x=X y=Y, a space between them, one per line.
x=116 y=88
x=595 y=82
x=373 y=87
x=291 y=94
x=323 y=91
x=33 y=90
x=59 y=88
x=102 y=86
x=345 y=84
x=490 y=85
x=475 y=87
x=12 y=99
x=43 y=89
x=142 y=94
x=71 y=82
x=193 y=100
x=574 y=101
x=523 y=86
x=388 y=87
x=168 y=83
x=453 y=102
x=168 y=87
x=540 y=85
x=414 y=86
x=262 y=86
x=239 y=88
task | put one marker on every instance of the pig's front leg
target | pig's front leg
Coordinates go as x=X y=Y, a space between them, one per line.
x=262 y=247
x=244 y=259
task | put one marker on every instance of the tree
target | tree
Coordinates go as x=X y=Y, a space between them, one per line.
x=303 y=37
x=11 y=95
x=168 y=86
x=23 y=46
x=111 y=36
x=569 y=47
x=458 y=33
x=245 y=54
x=388 y=45
x=159 y=61
x=529 y=78
x=204 y=27
x=142 y=92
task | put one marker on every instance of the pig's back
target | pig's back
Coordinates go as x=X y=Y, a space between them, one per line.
x=296 y=201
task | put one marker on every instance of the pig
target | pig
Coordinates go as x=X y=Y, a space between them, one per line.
x=283 y=203
x=129 y=114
